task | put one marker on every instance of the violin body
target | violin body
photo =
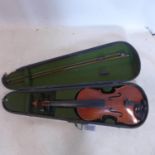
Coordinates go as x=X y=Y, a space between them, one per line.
x=124 y=105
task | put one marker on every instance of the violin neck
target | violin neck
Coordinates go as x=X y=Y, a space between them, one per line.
x=74 y=103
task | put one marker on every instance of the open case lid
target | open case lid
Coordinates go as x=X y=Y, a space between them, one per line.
x=117 y=61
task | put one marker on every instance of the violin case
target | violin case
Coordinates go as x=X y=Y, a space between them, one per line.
x=103 y=71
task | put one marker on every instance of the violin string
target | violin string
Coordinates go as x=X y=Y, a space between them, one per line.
x=70 y=103
x=70 y=67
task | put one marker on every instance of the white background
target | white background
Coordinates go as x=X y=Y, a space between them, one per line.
x=35 y=30
x=128 y=13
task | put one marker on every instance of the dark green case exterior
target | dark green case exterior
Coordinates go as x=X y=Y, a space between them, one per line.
x=59 y=79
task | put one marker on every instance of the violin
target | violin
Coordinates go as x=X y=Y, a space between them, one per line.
x=124 y=105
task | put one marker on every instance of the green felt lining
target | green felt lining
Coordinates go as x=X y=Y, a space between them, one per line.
x=124 y=68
